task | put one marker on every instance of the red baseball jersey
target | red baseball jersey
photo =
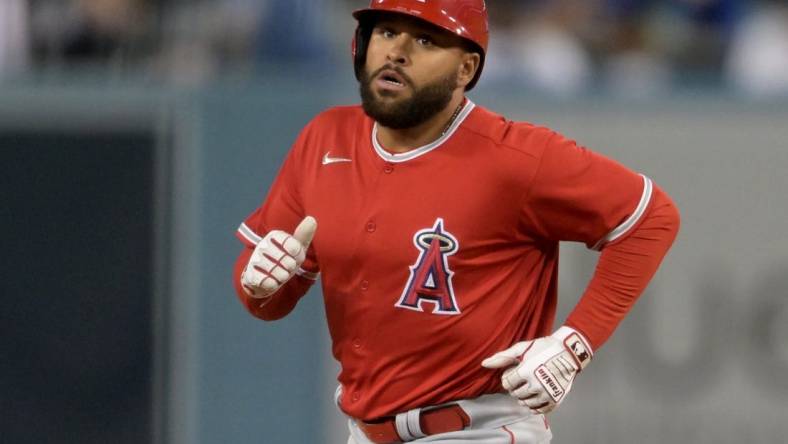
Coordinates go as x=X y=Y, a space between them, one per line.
x=434 y=259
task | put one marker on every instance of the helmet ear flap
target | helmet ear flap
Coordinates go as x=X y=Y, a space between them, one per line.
x=359 y=48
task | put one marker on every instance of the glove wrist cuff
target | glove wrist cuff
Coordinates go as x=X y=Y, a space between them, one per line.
x=577 y=346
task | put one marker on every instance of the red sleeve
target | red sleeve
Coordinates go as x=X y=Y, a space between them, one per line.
x=283 y=209
x=578 y=195
x=624 y=269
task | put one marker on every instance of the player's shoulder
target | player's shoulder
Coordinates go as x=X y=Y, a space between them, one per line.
x=520 y=136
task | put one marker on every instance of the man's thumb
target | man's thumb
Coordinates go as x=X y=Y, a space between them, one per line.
x=305 y=231
x=508 y=357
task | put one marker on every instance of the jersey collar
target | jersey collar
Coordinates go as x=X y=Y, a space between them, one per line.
x=412 y=154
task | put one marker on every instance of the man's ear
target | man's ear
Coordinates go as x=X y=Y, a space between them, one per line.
x=468 y=67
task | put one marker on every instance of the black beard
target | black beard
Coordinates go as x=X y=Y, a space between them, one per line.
x=426 y=101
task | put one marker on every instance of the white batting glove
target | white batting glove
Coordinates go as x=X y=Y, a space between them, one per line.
x=540 y=372
x=275 y=260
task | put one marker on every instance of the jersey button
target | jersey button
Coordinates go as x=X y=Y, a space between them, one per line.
x=371 y=227
x=388 y=169
x=357 y=343
x=356 y=396
x=365 y=285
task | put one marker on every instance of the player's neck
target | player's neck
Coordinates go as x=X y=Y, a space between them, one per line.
x=403 y=140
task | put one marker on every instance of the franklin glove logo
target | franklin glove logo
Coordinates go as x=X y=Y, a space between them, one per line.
x=549 y=382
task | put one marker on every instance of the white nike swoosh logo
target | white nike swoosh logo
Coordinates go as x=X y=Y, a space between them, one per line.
x=328 y=160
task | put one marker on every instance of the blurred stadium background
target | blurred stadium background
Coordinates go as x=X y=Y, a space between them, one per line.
x=135 y=135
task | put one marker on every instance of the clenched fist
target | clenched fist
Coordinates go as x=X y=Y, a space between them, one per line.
x=540 y=372
x=276 y=259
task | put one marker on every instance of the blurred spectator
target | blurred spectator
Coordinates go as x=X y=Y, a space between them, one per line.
x=694 y=35
x=105 y=27
x=535 y=42
x=631 y=63
x=94 y=31
x=758 y=60
x=294 y=31
x=201 y=40
x=14 y=44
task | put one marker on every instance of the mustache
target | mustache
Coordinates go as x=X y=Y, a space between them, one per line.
x=394 y=68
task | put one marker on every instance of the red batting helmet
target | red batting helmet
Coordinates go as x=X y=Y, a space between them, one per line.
x=465 y=18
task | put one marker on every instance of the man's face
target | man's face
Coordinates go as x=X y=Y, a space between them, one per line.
x=411 y=71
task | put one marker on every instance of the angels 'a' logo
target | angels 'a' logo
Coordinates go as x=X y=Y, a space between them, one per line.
x=430 y=276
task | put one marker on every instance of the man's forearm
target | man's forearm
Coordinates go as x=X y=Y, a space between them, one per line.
x=624 y=270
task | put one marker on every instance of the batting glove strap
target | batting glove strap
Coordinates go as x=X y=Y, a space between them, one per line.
x=578 y=347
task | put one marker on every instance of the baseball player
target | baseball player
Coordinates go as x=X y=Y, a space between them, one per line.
x=433 y=226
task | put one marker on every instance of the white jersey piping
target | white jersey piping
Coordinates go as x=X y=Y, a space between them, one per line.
x=248 y=234
x=645 y=198
x=412 y=154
